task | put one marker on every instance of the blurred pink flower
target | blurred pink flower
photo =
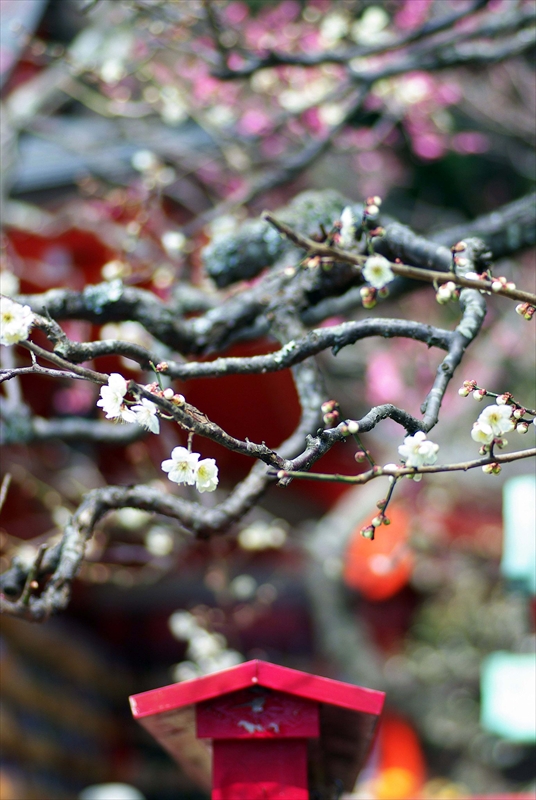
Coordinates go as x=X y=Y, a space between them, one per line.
x=470 y=142
x=311 y=119
x=310 y=40
x=446 y=94
x=254 y=122
x=235 y=12
x=384 y=381
x=272 y=146
x=429 y=146
x=412 y=14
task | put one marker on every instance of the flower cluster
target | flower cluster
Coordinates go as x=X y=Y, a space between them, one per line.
x=495 y=421
x=526 y=311
x=447 y=291
x=111 y=401
x=417 y=451
x=330 y=412
x=207 y=652
x=501 y=283
x=16 y=321
x=185 y=467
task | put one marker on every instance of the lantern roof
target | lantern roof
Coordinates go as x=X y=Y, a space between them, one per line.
x=259 y=673
x=348 y=716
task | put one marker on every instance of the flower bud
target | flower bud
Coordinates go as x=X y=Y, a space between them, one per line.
x=479 y=394
x=168 y=393
x=522 y=427
x=368 y=296
x=457 y=248
x=525 y=310
x=491 y=469
x=502 y=399
x=445 y=292
x=178 y=399
x=353 y=426
x=368 y=532
x=519 y=412
x=331 y=419
x=377 y=521
x=328 y=406
x=467 y=388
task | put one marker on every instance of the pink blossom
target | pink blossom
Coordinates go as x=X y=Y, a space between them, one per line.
x=310 y=41
x=446 y=94
x=272 y=146
x=470 y=142
x=384 y=381
x=235 y=12
x=429 y=146
x=412 y=14
x=312 y=120
x=235 y=61
x=254 y=122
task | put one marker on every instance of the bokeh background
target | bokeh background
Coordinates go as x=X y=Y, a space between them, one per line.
x=123 y=156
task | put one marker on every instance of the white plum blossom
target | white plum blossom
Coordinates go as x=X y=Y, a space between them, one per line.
x=9 y=283
x=183 y=625
x=15 y=321
x=182 y=466
x=206 y=478
x=262 y=536
x=146 y=415
x=173 y=242
x=111 y=399
x=493 y=422
x=144 y=161
x=369 y=29
x=347 y=233
x=417 y=451
x=185 y=467
x=377 y=271
x=498 y=418
x=482 y=434
x=159 y=541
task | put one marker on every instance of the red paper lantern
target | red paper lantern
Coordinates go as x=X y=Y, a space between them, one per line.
x=379 y=568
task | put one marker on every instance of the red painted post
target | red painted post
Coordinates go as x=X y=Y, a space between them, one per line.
x=248 y=731
x=259 y=743
x=259 y=770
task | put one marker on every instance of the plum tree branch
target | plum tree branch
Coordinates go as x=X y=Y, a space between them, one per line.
x=400 y=472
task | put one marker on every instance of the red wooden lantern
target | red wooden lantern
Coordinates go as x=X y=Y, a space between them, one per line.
x=274 y=733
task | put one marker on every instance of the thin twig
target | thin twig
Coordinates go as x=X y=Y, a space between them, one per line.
x=398 y=472
x=403 y=270
x=6 y=480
